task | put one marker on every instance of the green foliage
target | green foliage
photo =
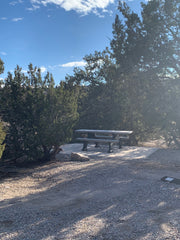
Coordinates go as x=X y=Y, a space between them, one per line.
x=2 y=132
x=135 y=84
x=1 y=66
x=40 y=116
x=146 y=53
x=2 y=137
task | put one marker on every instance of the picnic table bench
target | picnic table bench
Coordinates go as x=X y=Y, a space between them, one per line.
x=102 y=136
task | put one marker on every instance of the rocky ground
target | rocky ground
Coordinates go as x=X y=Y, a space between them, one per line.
x=117 y=196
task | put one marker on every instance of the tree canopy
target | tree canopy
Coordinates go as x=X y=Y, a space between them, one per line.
x=39 y=116
x=1 y=66
x=2 y=132
x=134 y=84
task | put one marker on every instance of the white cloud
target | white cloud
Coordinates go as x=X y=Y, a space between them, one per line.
x=73 y=64
x=33 y=8
x=67 y=65
x=13 y=3
x=80 y=6
x=17 y=19
x=3 y=53
x=4 y=18
x=43 y=69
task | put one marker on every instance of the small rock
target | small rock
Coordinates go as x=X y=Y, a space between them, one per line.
x=78 y=157
x=62 y=157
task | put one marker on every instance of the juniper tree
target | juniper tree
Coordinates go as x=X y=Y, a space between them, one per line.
x=135 y=84
x=39 y=115
x=2 y=132
x=146 y=49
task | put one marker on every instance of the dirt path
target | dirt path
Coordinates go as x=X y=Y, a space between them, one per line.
x=112 y=196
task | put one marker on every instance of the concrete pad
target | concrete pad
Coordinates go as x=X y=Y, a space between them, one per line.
x=126 y=152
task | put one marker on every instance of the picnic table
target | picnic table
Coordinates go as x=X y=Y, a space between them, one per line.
x=109 y=137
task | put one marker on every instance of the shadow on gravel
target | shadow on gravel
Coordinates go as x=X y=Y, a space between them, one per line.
x=102 y=200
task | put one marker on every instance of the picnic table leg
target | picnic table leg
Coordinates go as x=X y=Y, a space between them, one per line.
x=110 y=148
x=85 y=146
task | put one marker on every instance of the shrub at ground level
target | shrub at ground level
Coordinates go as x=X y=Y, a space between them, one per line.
x=39 y=116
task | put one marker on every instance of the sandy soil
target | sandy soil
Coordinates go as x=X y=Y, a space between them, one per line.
x=112 y=196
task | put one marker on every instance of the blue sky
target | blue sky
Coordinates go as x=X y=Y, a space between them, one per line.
x=55 y=35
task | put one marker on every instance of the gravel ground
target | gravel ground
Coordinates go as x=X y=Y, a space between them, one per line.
x=118 y=196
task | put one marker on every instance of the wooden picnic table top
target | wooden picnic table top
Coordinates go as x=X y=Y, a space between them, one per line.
x=104 y=131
